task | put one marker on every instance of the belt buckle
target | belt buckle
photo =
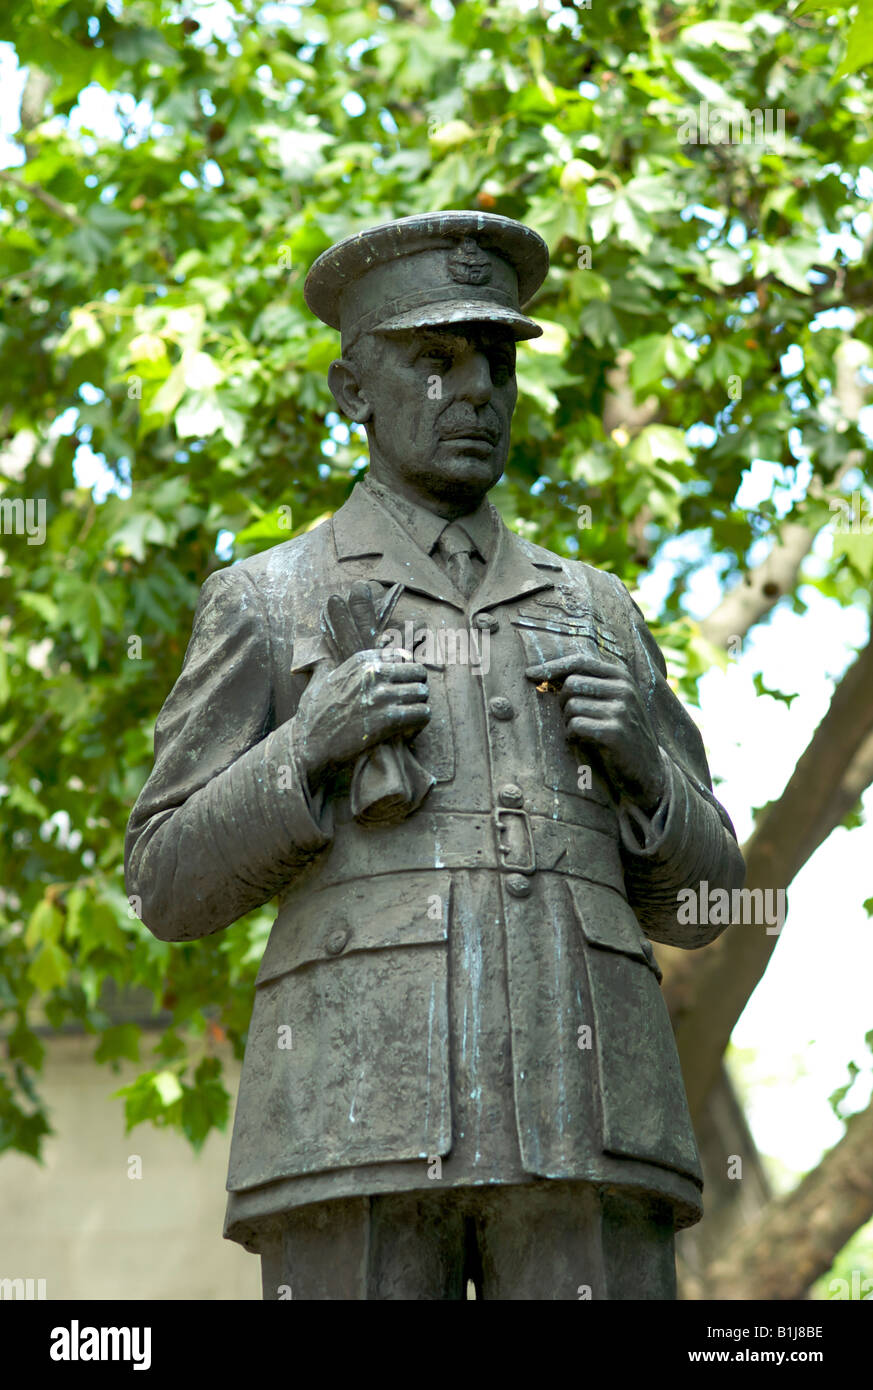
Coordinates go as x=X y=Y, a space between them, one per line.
x=518 y=855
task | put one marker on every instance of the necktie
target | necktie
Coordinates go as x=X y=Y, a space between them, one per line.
x=456 y=550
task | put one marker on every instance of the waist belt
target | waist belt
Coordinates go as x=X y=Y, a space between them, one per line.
x=506 y=839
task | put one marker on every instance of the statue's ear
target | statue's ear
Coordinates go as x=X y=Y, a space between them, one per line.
x=344 y=381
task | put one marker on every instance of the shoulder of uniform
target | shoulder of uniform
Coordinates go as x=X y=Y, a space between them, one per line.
x=603 y=584
x=606 y=588
x=539 y=555
x=288 y=562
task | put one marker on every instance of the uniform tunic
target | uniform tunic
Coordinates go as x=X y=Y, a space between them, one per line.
x=471 y=996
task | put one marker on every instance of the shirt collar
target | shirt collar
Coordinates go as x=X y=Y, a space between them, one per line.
x=425 y=527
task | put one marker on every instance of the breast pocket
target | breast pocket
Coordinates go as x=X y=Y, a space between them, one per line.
x=546 y=640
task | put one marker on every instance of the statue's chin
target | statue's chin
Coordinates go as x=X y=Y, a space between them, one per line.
x=455 y=478
x=462 y=468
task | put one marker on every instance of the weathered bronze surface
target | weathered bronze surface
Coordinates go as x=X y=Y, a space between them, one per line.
x=455 y=759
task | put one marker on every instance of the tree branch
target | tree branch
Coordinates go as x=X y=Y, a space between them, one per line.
x=762 y=588
x=48 y=199
x=707 y=992
x=795 y=1241
x=14 y=749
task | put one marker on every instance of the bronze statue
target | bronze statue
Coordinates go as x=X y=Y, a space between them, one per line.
x=455 y=759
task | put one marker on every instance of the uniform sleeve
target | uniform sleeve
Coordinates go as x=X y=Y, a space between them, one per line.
x=225 y=819
x=689 y=838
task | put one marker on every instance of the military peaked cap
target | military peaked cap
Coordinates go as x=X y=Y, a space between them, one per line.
x=430 y=269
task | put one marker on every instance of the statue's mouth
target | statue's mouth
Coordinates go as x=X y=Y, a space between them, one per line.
x=474 y=432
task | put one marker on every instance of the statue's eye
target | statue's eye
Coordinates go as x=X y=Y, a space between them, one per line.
x=502 y=366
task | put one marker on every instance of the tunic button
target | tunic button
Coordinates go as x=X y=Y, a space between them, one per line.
x=510 y=795
x=337 y=941
x=518 y=886
x=486 y=621
x=501 y=708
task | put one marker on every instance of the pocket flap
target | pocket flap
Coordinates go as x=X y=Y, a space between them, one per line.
x=363 y=915
x=545 y=639
x=308 y=651
x=607 y=921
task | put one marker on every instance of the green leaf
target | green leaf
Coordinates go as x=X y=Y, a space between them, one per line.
x=554 y=340
x=273 y=528
x=710 y=91
x=859 y=45
x=138 y=531
x=626 y=212
x=146 y=347
x=168 y=1087
x=120 y=1041
x=598 y=322
x=50 y=968
x=659 y=444
x=717 y=34
x=149 y=1097
x=83 y=335
x=22 y=1044
x=206 y=1105
x=727 y=267
x=835 y=1100
x=789 y=261
x=762 y=689
x=858 y=550
x=45 y=924
x=43 y=605
x=656 y=356
x=202 y=414
x=99 y=930
x=76 y=901
x=199 y=416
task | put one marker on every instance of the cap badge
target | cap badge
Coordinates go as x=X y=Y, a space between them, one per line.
x=468 y=263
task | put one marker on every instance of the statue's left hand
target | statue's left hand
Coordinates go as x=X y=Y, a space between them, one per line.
x=603 y=708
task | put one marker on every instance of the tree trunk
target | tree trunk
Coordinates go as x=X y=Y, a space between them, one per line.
x=795 y=1241
x=707 y=991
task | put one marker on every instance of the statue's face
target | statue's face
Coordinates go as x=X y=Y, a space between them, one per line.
x=441 y=403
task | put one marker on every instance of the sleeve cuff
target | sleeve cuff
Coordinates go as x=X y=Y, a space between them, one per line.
x=267 y=810
x=657 y=834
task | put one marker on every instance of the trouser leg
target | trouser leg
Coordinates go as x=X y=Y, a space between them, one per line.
x=399 y=1246
x=319 y=1251
x=638 y=1243
x=570 y=1241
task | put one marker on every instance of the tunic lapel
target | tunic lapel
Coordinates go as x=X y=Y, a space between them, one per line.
x=375 y=546
x=516 y=569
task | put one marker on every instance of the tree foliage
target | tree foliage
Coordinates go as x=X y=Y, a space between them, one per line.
x=708 y=308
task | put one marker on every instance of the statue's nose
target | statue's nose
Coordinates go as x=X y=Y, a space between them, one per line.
x=475 y=384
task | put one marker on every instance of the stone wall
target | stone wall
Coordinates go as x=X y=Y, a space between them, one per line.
x=89 y=1230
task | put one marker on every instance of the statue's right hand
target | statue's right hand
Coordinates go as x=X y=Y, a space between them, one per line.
x=373 y=696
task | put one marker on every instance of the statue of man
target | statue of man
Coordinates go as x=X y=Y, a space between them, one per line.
x=455 y=759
